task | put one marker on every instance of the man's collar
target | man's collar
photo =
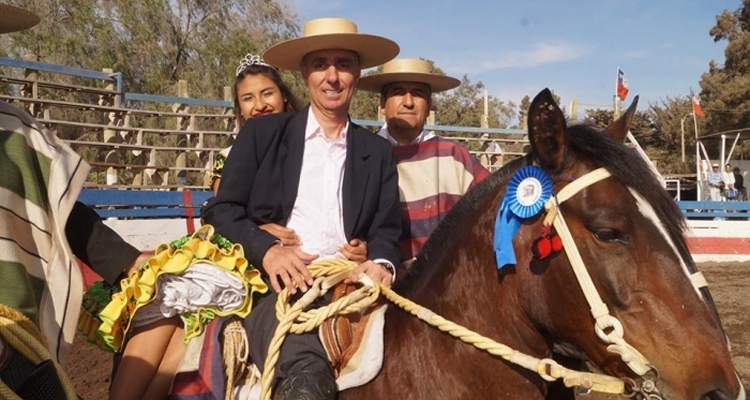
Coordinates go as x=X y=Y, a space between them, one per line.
x=422 y=137
x=313 y=126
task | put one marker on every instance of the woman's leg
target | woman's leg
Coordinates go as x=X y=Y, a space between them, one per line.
x=162 y=382
x=141 y=358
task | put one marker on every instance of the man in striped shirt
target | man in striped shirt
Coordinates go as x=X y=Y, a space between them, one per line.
x=434 y=172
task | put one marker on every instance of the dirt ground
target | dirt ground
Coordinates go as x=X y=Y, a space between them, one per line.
x=729 y=284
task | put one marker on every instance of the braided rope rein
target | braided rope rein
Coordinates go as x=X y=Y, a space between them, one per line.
x=23 y=336
x=328 y=273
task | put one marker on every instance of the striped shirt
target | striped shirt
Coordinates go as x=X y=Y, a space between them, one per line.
x=433 y=174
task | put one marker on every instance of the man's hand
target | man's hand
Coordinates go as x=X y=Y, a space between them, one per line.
x=376 y=272
x=355 y=250
x=287 y=235
x=289 y=265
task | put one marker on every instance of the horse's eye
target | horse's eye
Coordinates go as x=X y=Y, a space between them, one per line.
x=609 y=235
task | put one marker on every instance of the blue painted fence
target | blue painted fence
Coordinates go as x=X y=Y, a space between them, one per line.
x=144 y=204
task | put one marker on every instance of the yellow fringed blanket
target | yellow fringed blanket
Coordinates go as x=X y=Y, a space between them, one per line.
x=141 y=287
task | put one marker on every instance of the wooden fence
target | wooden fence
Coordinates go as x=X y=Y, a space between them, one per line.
x=135 y=140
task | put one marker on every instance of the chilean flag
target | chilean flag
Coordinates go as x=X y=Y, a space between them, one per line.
x=696 y=105
x=622 y=85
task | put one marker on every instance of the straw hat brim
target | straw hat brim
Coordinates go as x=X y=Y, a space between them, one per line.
x=14 y=19
x=437 y=83
x=372 y=50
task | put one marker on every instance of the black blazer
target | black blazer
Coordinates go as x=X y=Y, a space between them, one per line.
x=261 y=176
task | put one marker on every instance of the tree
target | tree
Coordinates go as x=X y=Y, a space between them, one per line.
x=726 y=88
x=155 y=43
x=365 y=105
x=464 y=106
x=666 y=136
x=658 y=130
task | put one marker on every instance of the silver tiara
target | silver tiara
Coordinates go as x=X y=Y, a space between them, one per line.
x=250 y=60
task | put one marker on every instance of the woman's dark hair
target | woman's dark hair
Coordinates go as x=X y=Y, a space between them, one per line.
x=292 y=102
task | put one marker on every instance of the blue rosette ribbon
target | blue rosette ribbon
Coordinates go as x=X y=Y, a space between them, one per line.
x=529 y=188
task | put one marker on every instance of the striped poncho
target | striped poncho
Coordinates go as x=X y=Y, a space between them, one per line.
x=433 y=174
x=40 y=179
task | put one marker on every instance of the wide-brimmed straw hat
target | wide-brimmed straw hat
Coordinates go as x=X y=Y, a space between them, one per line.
x=407 y=70
x=13 y=19
x=331 y=33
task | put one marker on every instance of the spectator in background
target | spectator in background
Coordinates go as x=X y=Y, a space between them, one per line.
x=433 y=172
x=715 y=183
x=739 y=184
x=492 y=153
x=728 y=178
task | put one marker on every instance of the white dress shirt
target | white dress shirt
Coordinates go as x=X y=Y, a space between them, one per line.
x=317 y=217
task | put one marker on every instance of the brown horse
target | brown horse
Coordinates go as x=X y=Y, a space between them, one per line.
x=629 y=233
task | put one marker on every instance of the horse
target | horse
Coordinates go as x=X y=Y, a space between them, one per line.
x=629 y=235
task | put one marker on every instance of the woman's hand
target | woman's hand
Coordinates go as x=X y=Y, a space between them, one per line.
x=355 y=250
x=287 y=235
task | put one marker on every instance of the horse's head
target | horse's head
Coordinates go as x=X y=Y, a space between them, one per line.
x=631 y=280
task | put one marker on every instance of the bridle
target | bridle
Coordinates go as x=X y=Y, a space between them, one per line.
x=608 y=328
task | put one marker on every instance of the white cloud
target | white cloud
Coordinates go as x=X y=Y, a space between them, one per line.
x=541 y=54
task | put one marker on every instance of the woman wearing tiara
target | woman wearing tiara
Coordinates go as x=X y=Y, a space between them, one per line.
x=258 y=90
x=141 y=316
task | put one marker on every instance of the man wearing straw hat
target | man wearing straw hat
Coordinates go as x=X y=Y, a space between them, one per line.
x=316 y=172
x=715 y=183
x=434 y=172
x=42 y=227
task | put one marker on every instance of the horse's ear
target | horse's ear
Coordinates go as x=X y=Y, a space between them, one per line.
x=619 y=129
x=547 y=131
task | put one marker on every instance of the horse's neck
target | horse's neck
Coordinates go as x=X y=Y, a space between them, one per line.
x=478 y=297
x=421 y=360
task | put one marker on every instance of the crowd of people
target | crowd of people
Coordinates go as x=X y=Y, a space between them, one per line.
x=727 y=185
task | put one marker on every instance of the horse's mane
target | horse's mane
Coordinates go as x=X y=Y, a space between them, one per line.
x=584 y=142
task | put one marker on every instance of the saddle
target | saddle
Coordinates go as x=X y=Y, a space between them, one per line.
x=343 y=335
x=216 y=366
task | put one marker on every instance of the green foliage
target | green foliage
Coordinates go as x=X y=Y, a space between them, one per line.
x=658 y=131
x=725 y=93
x=155 y=43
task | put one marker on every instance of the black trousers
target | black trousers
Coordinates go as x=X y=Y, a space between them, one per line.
x=298 y=352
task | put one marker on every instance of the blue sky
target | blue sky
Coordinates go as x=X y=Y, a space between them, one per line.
x=519 y=47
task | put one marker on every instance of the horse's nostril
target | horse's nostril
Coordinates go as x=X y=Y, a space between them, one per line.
x=718 y=394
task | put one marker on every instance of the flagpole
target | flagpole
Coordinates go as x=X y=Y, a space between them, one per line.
x=698 y=175
x=617 y=97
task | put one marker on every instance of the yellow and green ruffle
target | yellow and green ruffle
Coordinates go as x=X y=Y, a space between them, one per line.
x=139 y=288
